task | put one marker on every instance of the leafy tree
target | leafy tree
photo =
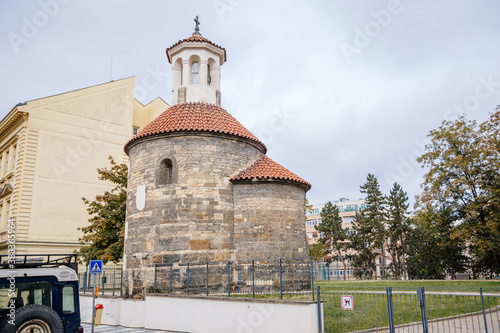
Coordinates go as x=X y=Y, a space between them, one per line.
x=369 y=224
x=317 y=251
x=434 y=250
x=334 y=236
x=463 y=178
x=103 y=238
x=309 y=207
x=398 y=228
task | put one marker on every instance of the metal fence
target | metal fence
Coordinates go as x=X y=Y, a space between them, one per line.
x=283 y=278
x=109 y=281
x=408 y=311
x=335 y=270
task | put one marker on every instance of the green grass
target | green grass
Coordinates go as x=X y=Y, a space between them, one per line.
x=429 y=285
x=443 y=299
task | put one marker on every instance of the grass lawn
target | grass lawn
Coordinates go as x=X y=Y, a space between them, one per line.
x=488 y=286
x=443 y=299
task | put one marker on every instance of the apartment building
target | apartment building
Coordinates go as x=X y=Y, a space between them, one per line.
x=50 y=149
x=347 y=211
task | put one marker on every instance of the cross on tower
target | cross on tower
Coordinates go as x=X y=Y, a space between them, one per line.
x=197 y=21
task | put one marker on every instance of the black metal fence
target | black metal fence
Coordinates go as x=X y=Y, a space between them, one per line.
x=283 y=278
x=109 y=281
x=408 y=311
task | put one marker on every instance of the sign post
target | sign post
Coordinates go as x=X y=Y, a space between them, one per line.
x=95 y=268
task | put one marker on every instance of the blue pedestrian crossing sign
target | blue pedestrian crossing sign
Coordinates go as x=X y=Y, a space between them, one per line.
x=95 y=266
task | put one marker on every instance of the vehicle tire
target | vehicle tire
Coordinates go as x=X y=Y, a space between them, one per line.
x=33 y=318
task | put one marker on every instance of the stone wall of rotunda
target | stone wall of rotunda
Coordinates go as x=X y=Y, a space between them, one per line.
x=190 y=220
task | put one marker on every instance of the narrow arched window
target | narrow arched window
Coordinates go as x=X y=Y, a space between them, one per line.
x=195 y=71
x=209 y=78
x=165 y=176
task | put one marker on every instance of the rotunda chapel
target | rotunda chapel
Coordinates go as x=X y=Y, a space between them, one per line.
x=200 y=186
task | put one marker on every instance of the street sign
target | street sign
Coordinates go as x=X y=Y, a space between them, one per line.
x=95 y=266
x=347 y=302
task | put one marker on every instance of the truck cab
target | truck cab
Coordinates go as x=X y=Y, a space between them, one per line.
x=39 y=293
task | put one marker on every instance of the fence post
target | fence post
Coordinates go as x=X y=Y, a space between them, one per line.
x=253 y=278
x=390 y=310
x=103 y=277
x=121 y=283
x=114 y=277
x=188 y=280
x=281 y=282
x=228 y=279
x=484 y=313
x=320 y=326
x=154 y=283
x=312 y=275
x=88 y=277
x=423 y=310
x=171 y=277
x=207 y=278
x=84 y=281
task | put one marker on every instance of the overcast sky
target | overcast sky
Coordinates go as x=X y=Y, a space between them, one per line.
x=335 y=89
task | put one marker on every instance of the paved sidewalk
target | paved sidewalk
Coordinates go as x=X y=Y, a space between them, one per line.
x=87 y=328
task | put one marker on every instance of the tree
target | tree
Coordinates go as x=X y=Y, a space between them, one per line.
x=434 y=251
x=103 y=238
x=369 y=225
x=398 y=228
x=309 y=207
x=334 y=236
x=463 y=178
x=317 y=251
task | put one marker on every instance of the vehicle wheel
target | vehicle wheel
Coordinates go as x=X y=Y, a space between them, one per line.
x=33 y=318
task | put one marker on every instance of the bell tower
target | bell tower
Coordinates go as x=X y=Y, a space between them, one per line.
x=196 y=65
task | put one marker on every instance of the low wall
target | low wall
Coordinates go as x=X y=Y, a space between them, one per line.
x=203 y=314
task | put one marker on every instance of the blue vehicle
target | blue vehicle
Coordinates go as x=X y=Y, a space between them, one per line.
x=39 y=293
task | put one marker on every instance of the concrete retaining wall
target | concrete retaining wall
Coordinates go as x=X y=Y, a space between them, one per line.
x=199 y=315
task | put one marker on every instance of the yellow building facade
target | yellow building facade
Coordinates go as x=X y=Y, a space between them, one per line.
x=50 y=149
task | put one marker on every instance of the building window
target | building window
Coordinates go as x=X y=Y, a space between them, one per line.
x=209 y=78
x=341 y=208
x=321 y=234
x=351 y=232
x=351 y=208
x=309 y=235
x=135 y=130
x=195 y=71
x=348 y=219
x=165 y=176
x=316 y=211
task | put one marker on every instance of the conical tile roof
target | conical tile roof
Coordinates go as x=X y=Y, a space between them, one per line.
x=267 y=169
x=196 y=117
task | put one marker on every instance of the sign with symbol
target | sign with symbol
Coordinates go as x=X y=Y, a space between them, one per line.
x=347 y=302
x=95 y=266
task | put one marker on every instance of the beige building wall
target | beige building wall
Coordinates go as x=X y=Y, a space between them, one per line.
x=50 y=149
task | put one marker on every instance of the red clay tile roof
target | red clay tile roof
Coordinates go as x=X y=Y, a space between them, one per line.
x=195 y=39
x=266 y=168
x=196 y=117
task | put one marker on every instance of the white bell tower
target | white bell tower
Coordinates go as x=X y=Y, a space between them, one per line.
x=196 y=65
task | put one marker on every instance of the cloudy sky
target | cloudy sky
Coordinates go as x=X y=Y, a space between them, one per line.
x=336 y=89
